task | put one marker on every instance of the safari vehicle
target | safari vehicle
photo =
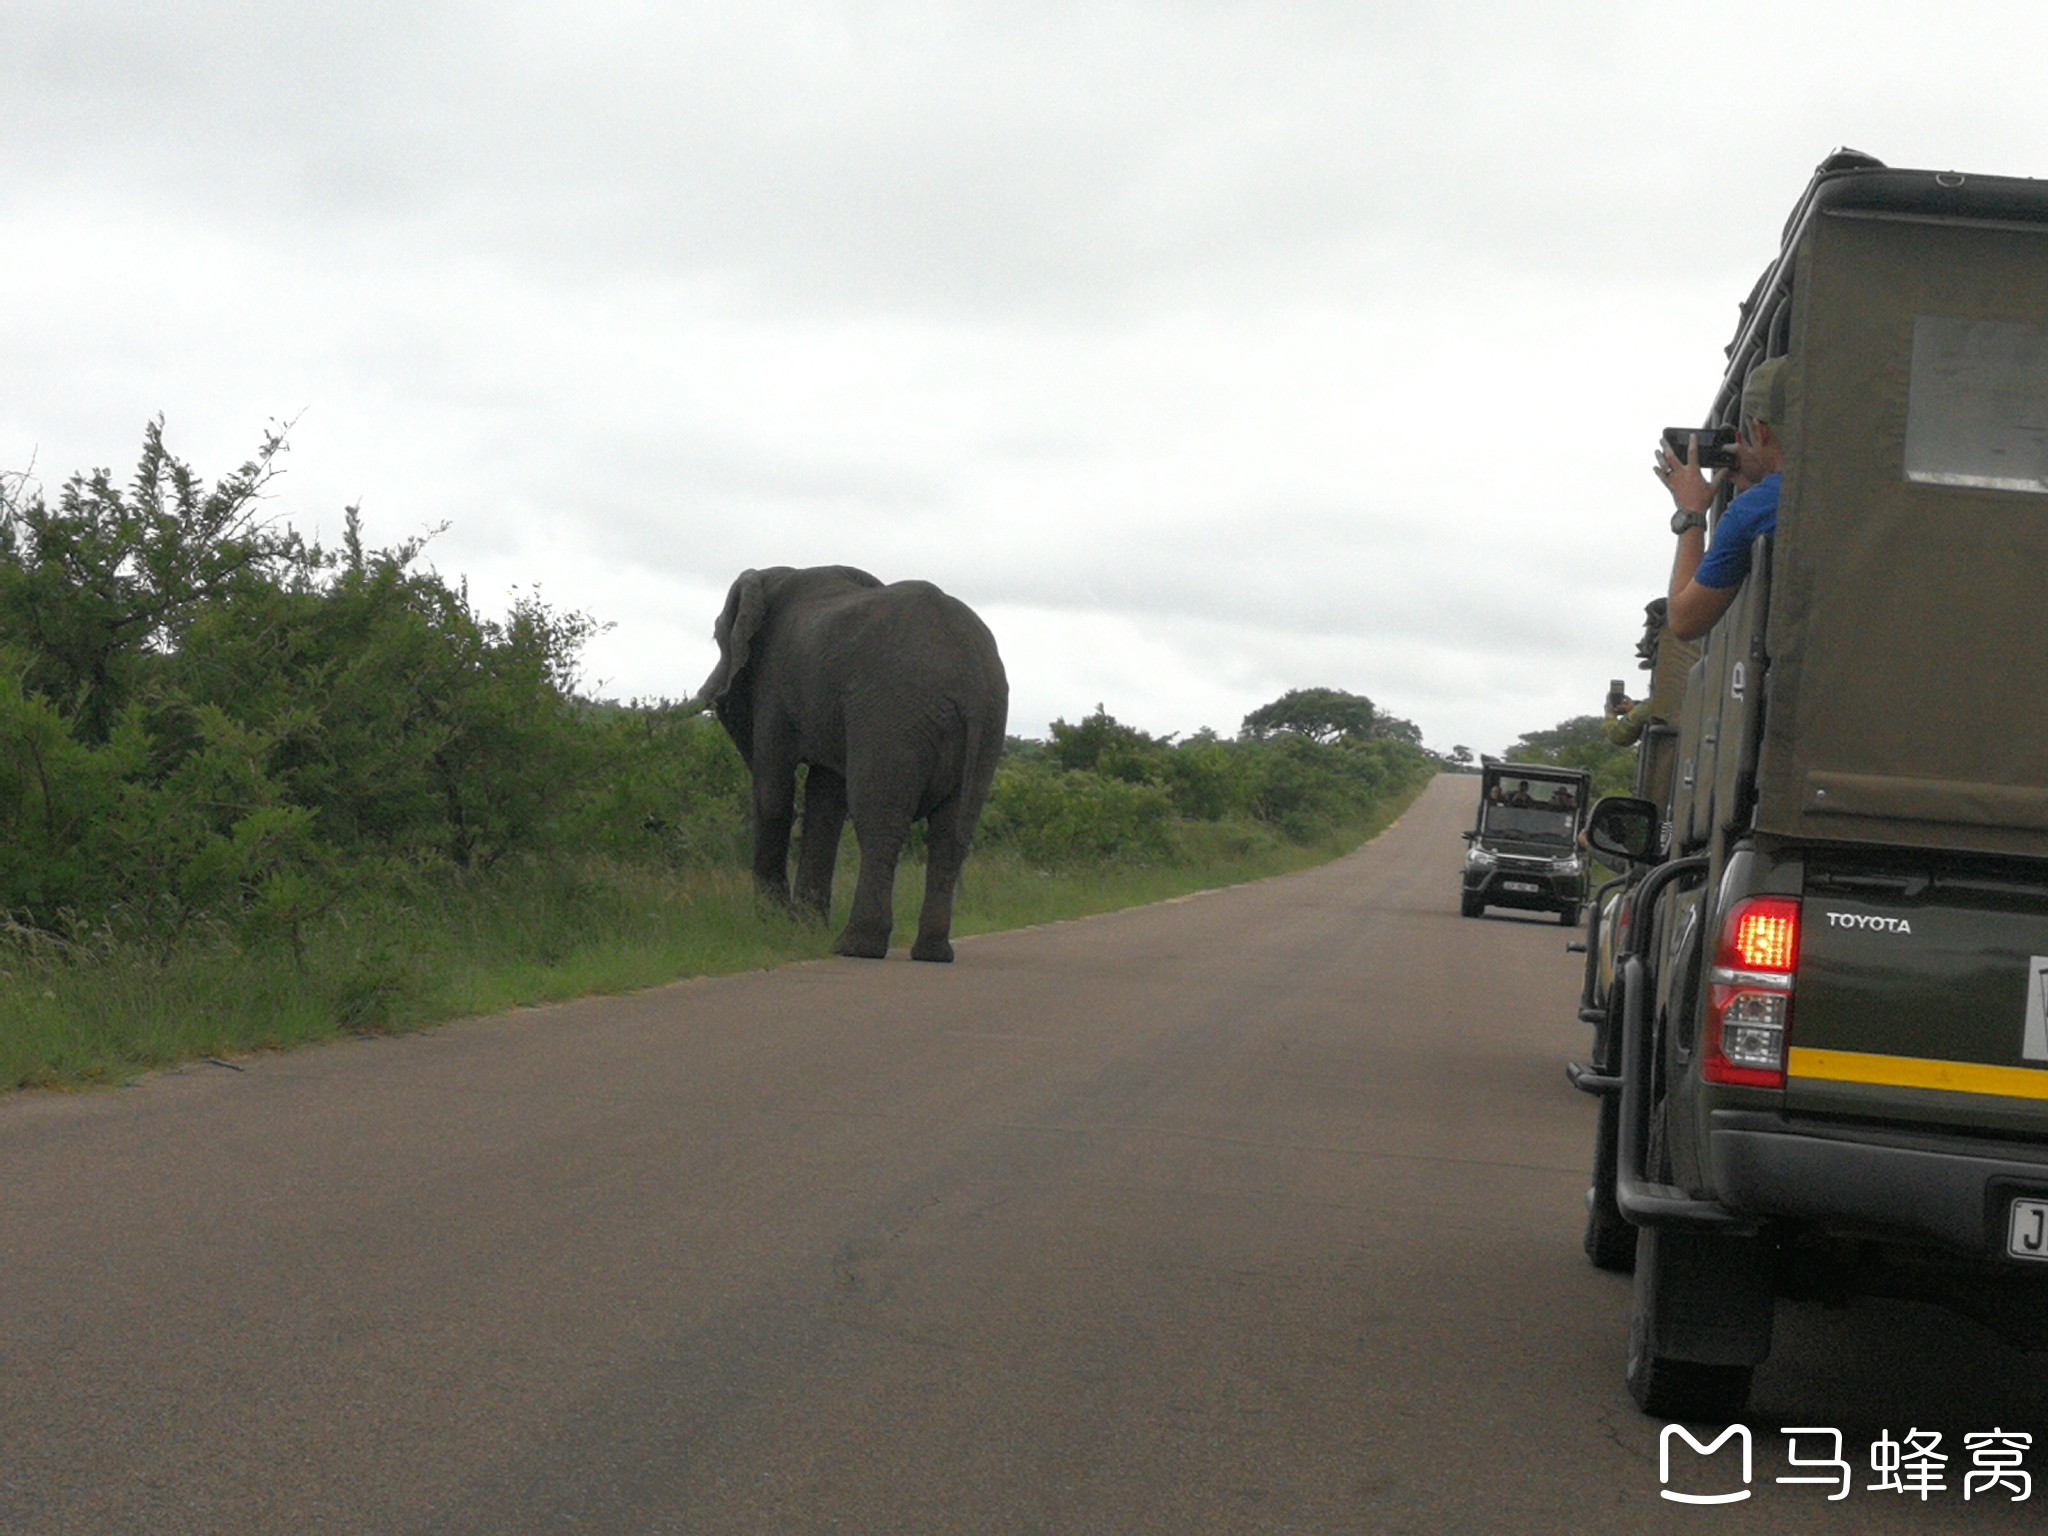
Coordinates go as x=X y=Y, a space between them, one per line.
x=1823 y=1056
x=1523 y=849
x=1610 y=1239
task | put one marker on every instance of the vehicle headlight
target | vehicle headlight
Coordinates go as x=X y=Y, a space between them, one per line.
x=1480 y=858
x=1566 y=866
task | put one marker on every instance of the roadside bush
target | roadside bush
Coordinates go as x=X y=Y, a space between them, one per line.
x=201 y=715
x=658 y=783
x=1302 y=781
x=1057 y=818
x=1209 y=779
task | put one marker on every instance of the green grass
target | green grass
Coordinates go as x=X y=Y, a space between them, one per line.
x=1000 y=891
x=96 y=1010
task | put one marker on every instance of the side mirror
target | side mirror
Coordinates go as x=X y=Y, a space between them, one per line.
x=1625 y=828
x=1468 y=836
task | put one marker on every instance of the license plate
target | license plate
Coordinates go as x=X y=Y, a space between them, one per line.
x=2026 y=1232
x=1520 y=885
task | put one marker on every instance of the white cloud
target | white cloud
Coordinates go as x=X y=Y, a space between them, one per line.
x=1208 y=349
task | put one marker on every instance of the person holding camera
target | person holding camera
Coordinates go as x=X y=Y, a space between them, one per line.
x=1625 y=719
x=1704 y=581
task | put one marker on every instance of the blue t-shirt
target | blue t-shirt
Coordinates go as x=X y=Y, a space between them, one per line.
x=1749 y=517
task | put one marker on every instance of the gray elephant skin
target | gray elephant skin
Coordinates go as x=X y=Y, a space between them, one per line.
x=896 y=699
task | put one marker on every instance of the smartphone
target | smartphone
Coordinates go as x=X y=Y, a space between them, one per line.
x=1717 y=445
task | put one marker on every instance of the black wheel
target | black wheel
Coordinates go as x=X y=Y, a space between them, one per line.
x=1663 y=1385
x=1570 y=916
x=1610 y=1239
x=1470 y=905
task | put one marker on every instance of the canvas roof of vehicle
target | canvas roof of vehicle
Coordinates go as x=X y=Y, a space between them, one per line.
x=1907 y=631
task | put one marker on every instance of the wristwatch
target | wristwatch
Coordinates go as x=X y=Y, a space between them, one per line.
x=1682 y=521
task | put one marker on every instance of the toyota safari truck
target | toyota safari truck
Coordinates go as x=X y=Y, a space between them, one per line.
x=1524 y=847
x=1827 y=1048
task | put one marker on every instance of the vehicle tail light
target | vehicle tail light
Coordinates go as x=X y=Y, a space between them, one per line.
x=1749 y=994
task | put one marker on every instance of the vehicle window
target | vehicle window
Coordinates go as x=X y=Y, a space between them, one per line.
x=1535 y=824
x=1977 y=404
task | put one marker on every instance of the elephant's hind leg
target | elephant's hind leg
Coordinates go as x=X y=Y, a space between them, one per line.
x=818 y=847
x=866 y=934
x=945 y=852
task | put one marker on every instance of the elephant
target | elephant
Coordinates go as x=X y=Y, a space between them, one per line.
x=896 y=698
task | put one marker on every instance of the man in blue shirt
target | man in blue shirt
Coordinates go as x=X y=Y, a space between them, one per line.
x=1704 y=581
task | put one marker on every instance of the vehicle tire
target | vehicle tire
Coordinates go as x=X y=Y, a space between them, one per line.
x=1470 y=905
x=1570 y=916
x=1610 y=1240
x=1665 y=1387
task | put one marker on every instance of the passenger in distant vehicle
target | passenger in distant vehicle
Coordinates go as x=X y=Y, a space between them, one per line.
x=1703 y=581
x=1630 y=719
x=1561 y=799
x=1625 y=719
x=1667 y=659
x=1521 y=800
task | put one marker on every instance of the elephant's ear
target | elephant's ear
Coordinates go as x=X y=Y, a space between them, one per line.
x=746 y=605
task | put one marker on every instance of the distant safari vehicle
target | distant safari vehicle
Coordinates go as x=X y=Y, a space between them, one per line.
x=1524 y=844
x=1823 y=1053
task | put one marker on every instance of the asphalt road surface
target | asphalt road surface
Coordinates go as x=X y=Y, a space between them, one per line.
x=1256 y=1212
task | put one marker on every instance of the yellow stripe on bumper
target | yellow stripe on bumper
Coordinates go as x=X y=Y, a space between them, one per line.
x=1918 y=1072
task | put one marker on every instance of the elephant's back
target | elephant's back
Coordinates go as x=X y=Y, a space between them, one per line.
x=909 y=648
x=966 y=638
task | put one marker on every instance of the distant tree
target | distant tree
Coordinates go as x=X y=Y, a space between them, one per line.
x=1461 y=757
x=1575 y=734
x=1323 y=715
x=1103 y=744
x=1580 y=742
x=1394 y=728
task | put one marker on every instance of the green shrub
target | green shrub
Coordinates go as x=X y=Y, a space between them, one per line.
x=1057 y=818
x=1105 y=745
x=201 y=716
x=656 y=782
x=1209 y=779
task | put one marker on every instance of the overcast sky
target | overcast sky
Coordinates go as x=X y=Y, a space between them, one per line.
x=1207 y=349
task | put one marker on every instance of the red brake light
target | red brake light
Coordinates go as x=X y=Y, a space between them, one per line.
x=1762 y=935
x=1749 y=997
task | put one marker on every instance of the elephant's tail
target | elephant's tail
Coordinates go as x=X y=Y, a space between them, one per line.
x=984 y=749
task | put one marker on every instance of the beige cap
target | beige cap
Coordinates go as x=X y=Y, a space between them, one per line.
x=1763 y=393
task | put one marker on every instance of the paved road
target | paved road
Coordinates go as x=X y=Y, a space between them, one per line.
x=1252 y=1212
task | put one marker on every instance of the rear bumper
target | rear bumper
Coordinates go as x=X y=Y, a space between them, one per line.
x=1948 y=1192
